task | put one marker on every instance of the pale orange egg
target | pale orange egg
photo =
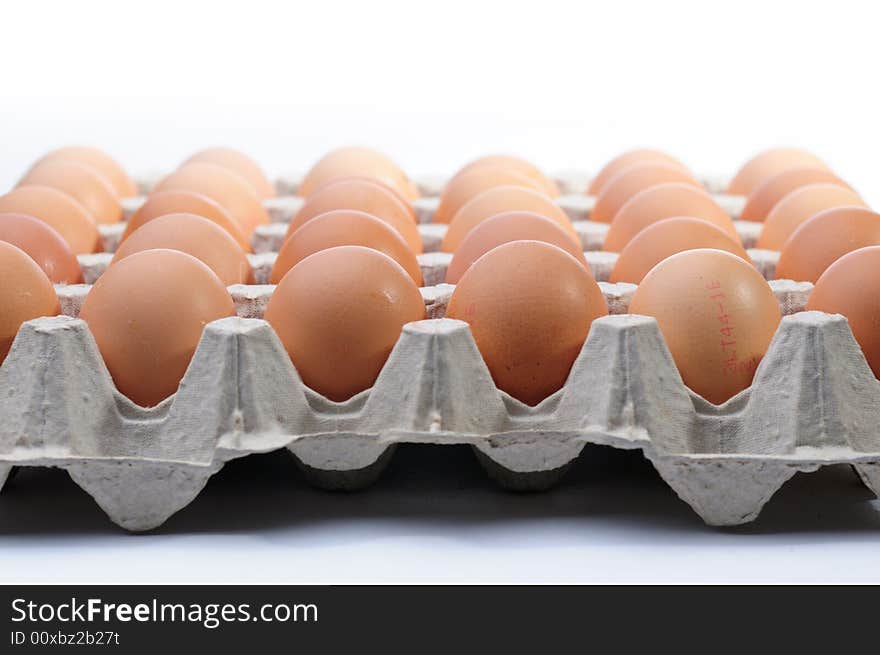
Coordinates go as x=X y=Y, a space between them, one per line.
x=58 y=210
x=498 y=200
x=768 y=164
x=666 y=238
x=670 y=200
x=517 y=164
x=42 y=244
x=357 y=162
x=239 y=163
x=463 y=188
x=83 y=183
x=798 y=206
x=631 y=181
x=627 y=159
x=717 y=315
x=763 y=199
x=112 y=171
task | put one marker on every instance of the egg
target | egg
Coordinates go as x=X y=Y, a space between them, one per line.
x=627 y=159
x=498 y=200
x=768 y=164
x=99 y=160
x=42 y=244
x=26 y=294
x=825 y=238
x=519 y=165
x=530 y=306
x=504 y=228
x=161 y=203
x=196 y=236
x=147 y=314
x=59 y=211
x=717 y=315
x=668 y=237
x=630 y=181
x=357 y=162
x=464 y=187
x=345 y=227
x=228 y=189
x=798 y=206
x=764 y=198
x=366 y=195
x=669 y=200
x=238 y=163
x=851 y=287
x=339 y=313
x=82 y=183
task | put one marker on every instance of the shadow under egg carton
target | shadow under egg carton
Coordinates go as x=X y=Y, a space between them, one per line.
x=814 y=402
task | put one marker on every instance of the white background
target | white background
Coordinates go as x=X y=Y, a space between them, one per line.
x=568 y=85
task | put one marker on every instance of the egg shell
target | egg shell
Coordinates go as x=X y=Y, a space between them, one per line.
x=498 y=200
x=800 y=205
x=147 y=314
x=631 y=181
x=196 y=236
x=769 y=163
x=107 y=166
x=82 y=183
x=59 y=211
x=464 y=187
x=717 y=315
x=825 y=238
x=851 y=287
x=624 y=161
x=517 y=164
x=239 y=163
x=228 y=189
x=666 y=238
x=26 y=293
x=670 y=200
x=344 y=227
x=763 y=199
x=161 y=203
x=530 y=306
x=42 y=244
x=339 y=313
x=357 y=162
x=504 y=228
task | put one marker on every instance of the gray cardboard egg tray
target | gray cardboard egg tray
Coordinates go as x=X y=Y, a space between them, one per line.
x=814 y=401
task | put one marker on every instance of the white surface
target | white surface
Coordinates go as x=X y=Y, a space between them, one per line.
x=566 y=84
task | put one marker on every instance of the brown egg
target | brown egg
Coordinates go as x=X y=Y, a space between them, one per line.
x=82 y=183
x=345 y=227
x=851 y=287
x=504 y=228
x=465 y=187
x=357 y=162
x=530 y=306
x=717 y=315
x=362 y=194
x=498 y=200
x=99 y=160
x=823 y=239
x=239 y=163
x=228 y=189
x=768 y=164
x=517 y=164
x=668 y=237
x=42 y=244
x=631 y=181
x=196 y=236
x=161 y=203
x=798 y=206
x=147 y=314
x=763 y=199
x=339 y=313
x=26 y=294
x=671 y=200
x=59 y=211
x=627 y=159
